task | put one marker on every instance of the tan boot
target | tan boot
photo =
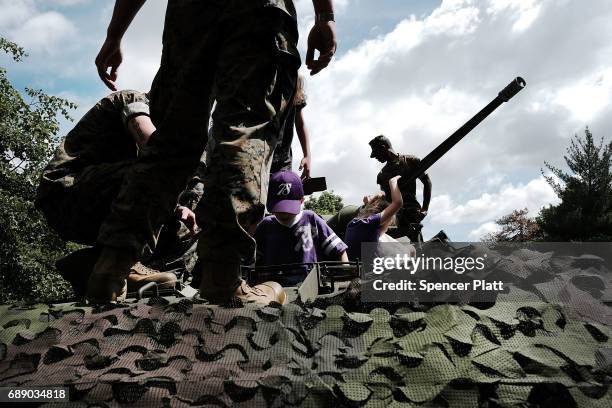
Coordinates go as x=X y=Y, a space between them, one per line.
x=107 y=283
x=140 y=275
x=264 y=293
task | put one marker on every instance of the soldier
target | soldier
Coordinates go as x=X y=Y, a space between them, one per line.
x=412 y=213
x=247 y=52
x=80 y=183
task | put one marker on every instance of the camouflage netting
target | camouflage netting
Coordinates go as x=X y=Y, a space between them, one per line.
x=525 y=350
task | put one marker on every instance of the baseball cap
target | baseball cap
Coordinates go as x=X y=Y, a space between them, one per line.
x=378 y=142
x=285 y=193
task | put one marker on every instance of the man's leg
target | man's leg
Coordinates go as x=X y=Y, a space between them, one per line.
x=189 y=64
x=76 y=212
x=255 y=83
x=179 y=109
x=408 y=224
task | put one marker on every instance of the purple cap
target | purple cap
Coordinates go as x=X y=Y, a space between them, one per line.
x=285 y=193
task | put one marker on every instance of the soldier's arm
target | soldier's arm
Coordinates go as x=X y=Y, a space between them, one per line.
x=141 y=128
x=380 y=182
x=426 y=192
x=188 y=218
x=110 y=55
x=134 y=108
x=322 y=36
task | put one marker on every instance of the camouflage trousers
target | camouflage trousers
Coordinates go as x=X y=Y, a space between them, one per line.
x=77 y=211
x=408 y=224
x=248 y=61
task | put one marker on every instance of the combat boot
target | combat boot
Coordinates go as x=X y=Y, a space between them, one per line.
x=264 y=293
x=218 y=283
x=140 y=275
x=107 y=283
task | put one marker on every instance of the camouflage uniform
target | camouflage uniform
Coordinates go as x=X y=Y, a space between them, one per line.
x=85 y=175
x=80 y=183
x=245 y=51
x=409 y=214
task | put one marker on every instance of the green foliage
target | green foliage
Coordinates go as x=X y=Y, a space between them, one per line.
x=515 y=227
x=585 y=211
x=15 y=51
x=327 y=203
x=28 y=250
x=28 y=134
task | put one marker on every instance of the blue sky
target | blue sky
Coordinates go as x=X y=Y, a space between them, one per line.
x=413 y=70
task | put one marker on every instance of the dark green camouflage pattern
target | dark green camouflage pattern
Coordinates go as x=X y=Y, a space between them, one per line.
x=525 y=350
x=78 y=186
x=85 y=175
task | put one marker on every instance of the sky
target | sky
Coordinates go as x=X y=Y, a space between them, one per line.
x=412 y=70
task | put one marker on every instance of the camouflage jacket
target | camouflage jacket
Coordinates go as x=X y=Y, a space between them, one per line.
x=102 y=136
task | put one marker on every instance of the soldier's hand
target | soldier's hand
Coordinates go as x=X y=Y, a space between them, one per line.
x=110 y=56
x=305 y=168
x=188 y=218
x=422 y=214
x=322 y=37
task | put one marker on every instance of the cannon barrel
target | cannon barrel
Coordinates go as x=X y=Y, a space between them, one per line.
x=504 y=96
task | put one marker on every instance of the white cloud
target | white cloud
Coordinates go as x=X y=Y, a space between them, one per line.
x=489 y=206
x=44 y=31
x=15 y=12
x=453 y=17
x=35 y=30
x=588 y=97
x=526 y=11
x=484 y=229
x=68 y=2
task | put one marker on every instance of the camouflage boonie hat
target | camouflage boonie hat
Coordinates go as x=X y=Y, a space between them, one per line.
x=378 y=142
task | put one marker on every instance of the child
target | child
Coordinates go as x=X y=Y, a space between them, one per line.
x=373 y=220
x=292 y=235
x=283 y=155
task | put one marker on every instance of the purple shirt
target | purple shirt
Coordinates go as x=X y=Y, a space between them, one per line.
x=308 y=240
x=361 y=230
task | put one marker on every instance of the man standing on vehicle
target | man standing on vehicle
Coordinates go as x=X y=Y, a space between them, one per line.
x=412 y=213
x=246 y=51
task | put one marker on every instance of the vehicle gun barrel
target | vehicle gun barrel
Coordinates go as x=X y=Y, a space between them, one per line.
x=504 y=95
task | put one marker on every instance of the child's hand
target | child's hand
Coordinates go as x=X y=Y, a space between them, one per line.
x=188 y=218
x=394 y=180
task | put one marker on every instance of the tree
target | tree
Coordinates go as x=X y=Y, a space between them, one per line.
x=515 y=227
x=28 y=135
x=585 y=211
x=326 y=204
